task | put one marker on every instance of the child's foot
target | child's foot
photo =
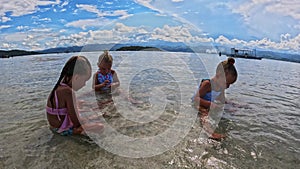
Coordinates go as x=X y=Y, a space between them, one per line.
x=217 y=136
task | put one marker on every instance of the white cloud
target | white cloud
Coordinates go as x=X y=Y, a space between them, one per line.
x=286 y=43
x=42 y=38
x=268 y=18
x=123 y=33
x=173 y=34
x=126 y=16
x=177 y=0
x=19 y=8
x=118 y=13
x=15 y=37
x=65 y=3
x=90 y=8
x=41 y=30
x=109 y=3
x=223 y=40
x=119 y=33
x=84 y=24
x=121 y=28
x=8 y=46
x=49 y=2
x=33 y=39
x=93 y=9
x=148 y=4
x=22 y=27
x=4 y=19
x=46 y=19
x=283 y=8
x=286 y=8
x=4 y=26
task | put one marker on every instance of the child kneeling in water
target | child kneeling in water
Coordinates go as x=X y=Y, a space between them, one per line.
x=105 y=79
x=62 y=111
x=212 y=91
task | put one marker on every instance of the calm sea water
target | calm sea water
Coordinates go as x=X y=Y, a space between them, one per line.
x=261 y=120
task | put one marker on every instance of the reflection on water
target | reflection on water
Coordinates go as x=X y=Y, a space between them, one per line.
x=260 y=121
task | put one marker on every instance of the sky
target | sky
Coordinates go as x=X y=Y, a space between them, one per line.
x=43 y=24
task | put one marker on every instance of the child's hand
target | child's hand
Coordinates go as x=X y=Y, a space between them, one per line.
x=110 y=85
x=215 y=106
x=114 y=86
x=106 y=83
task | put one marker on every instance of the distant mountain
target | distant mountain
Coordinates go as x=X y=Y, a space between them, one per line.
x=157 y=45
x=62 y=49
x=279 y=56
x=162 y=45
x=12 y=53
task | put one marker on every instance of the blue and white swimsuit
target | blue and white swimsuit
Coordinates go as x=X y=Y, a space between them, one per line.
x=210 y=96
x=101 y=78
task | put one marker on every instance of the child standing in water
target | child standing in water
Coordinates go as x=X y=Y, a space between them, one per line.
x=62 y=111
x=105 y=79
x=212 y=91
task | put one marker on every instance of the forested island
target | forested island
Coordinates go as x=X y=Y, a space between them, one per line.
x=11 y=53
x=138 y=48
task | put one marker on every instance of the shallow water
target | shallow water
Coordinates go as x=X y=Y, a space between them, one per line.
x=260 y=121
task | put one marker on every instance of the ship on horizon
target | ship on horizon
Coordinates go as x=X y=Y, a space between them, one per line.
x=242 y=53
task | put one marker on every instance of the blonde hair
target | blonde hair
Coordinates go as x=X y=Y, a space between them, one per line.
x=105 y=57
x=227 y=67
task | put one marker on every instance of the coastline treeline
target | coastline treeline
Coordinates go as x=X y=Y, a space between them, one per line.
x=12 y=53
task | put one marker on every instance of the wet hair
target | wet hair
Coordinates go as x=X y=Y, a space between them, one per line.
x=227 y=67
x=105 y=57
x=75 y=65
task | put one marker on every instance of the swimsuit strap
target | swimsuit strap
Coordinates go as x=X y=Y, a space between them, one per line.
x=63 y=84
x=56 y=100
x=67 y=123
x=56 y=104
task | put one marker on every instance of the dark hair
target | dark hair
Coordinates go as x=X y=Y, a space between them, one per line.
x=227 y=67
x=106 y=57
x=75 y=65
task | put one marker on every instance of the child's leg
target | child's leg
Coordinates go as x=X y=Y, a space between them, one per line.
x=91 y=127
x=204 y=118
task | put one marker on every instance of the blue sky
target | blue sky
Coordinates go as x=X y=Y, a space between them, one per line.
x=43 y=24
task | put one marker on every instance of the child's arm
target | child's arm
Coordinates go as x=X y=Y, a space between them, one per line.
x=221 y=97
x=116 y=82
x=203 y=89
x=70 y=99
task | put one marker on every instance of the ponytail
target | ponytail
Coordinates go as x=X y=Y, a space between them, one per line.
x=227 y=66
x=106 y=57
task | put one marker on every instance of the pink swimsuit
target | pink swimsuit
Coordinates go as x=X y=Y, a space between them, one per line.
x=67 y=123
